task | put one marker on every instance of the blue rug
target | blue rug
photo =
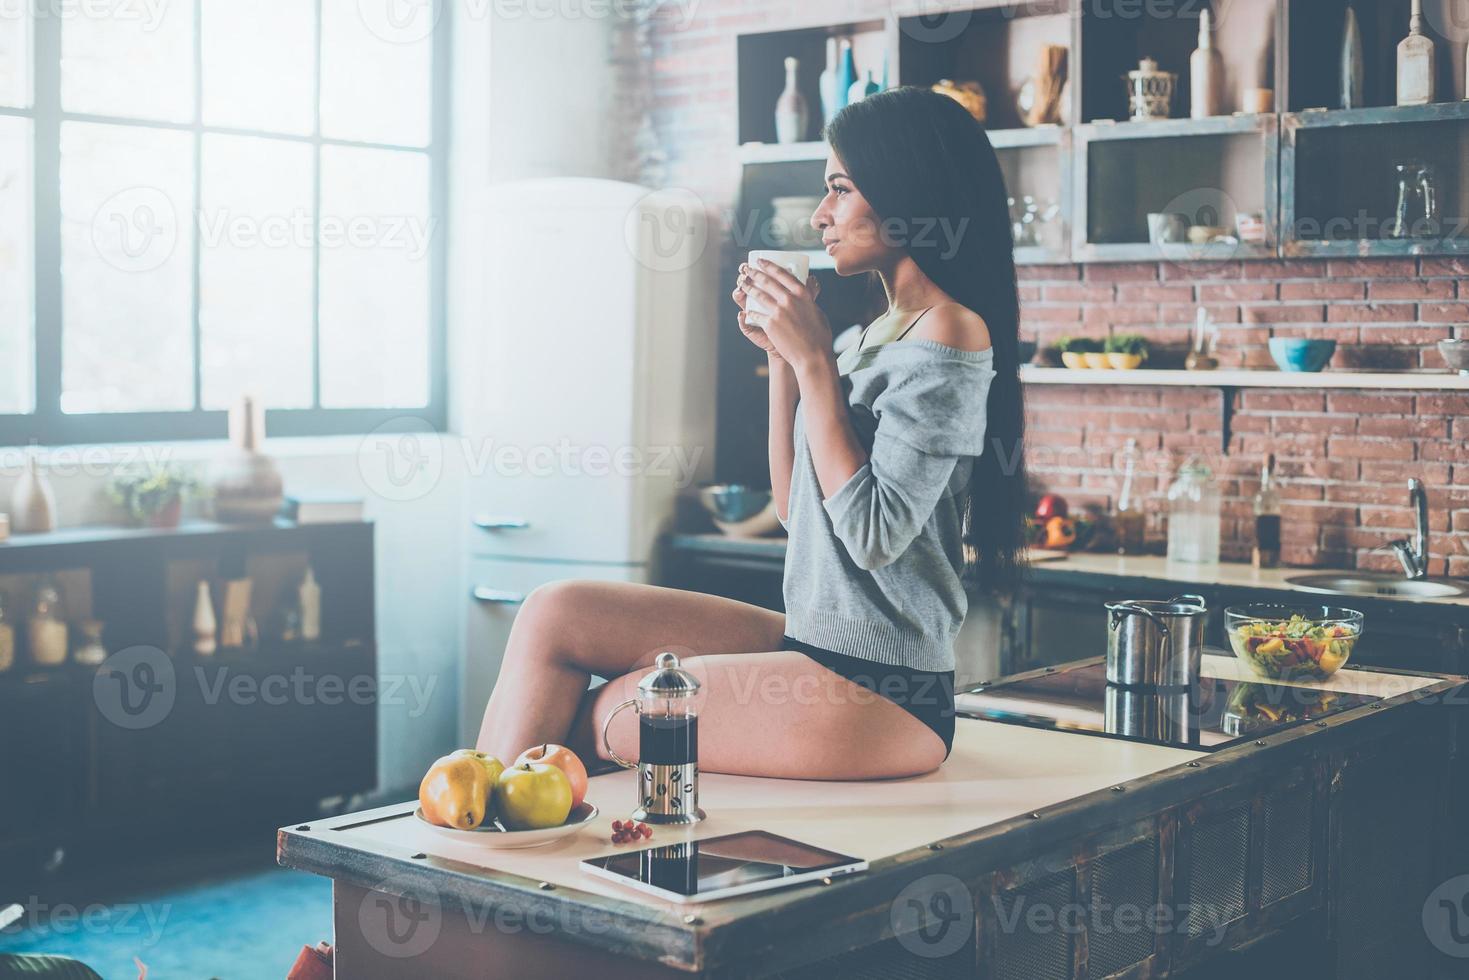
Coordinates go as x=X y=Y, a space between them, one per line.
x=236 y=926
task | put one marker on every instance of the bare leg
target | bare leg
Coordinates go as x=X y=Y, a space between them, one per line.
x=782 y=714
x=568 y=631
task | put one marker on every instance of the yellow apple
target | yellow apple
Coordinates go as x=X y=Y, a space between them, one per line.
x=532 y=796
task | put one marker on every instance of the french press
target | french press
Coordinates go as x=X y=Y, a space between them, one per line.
x=668 y=745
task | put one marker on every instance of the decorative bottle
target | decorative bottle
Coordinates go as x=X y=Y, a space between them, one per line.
x=1206 y=72
x=1266 y=553
x=246 y=483
x=831 y=99
x=1130 y=521
x=32 y=503
x=1351 y=62
x=205 y=624
x=846 y=72
x=791 y=114
x=862 y=88
x=309 y=598
x=1415 y=62
x=46 y=628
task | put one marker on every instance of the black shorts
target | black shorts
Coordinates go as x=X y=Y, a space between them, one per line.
x=927 y=695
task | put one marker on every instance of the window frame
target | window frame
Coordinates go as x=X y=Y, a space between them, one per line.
x=48 y=425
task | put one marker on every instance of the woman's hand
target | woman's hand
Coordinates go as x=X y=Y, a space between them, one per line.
x=795 y=330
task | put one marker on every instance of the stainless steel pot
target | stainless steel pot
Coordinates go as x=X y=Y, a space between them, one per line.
x=1156 y=715
x=1155 y=644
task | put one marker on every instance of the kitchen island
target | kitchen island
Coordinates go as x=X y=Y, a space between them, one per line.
x=1034 y=851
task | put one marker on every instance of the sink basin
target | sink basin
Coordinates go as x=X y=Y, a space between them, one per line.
x=1384 y=585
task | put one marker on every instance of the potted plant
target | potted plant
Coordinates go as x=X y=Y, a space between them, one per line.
x=153 y=495
x=1081 y=352
x=1126 y=351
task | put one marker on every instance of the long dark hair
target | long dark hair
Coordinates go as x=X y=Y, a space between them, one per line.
x=921 y=160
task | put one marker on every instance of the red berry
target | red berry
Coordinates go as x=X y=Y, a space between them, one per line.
x=617 y=825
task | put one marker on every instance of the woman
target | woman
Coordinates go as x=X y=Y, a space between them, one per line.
x=883 y=464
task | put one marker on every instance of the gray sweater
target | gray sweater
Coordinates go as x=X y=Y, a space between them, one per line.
x=874 y=570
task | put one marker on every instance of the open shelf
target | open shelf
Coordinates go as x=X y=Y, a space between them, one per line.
x=760 y=61
x=998 y=46
x=1246 y=379
x=1208 y=170
x=1115 y=34
x=1313 y=31
x=1328 y=209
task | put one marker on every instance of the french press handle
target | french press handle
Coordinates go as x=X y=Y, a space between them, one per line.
x=637 y=707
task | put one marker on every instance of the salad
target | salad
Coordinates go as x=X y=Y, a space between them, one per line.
x=1294 y=647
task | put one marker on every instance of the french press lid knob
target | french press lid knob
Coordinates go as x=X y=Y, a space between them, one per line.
x=669 y=680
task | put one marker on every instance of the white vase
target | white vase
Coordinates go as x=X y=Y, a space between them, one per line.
x=247 y=486
x=831 y=102
x=32 y=502
x=791 y=113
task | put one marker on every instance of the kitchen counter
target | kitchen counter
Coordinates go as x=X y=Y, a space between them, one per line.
x=1146 y=567
x=1225 y=845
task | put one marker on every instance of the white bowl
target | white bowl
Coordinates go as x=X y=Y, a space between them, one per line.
x=495 y=835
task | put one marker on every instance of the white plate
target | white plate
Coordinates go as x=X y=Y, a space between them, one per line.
x=494 y=835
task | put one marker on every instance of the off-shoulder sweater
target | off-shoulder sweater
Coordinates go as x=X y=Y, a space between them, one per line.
x=873 y=571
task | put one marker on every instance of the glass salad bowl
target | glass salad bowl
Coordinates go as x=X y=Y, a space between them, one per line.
x=1298 y=642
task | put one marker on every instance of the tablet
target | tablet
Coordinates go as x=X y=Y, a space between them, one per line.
x=719 y=867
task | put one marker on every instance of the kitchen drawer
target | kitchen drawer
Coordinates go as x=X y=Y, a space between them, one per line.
x=493 y=593
x=591 y=518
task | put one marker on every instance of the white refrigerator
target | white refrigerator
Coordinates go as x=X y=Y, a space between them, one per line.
x=586 y=394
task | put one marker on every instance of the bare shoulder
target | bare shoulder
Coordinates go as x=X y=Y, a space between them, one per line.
x=954 y=325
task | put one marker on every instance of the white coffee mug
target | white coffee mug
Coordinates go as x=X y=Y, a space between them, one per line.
x=797 y=264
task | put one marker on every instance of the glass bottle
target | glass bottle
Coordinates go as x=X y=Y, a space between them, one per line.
x=1193 y=514
x=90 y=652
x=7 y=639
x=1129 y=519
x=1409 y=206
x=46 y=629
x=1266 y=553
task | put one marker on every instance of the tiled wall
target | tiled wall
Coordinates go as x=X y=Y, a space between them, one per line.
x=1344 y=456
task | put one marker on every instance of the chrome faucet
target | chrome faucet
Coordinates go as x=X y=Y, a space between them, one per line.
x=1414 y=556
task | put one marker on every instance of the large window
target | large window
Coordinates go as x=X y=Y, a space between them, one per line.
x=201 y=199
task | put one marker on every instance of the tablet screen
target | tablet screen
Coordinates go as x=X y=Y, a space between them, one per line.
x=719 y=863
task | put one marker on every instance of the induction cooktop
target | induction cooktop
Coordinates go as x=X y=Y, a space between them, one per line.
x=1217 y=713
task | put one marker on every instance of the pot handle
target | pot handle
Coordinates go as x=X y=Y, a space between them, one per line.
x=1190 y=597
x=1121 y=609
x=636 y=706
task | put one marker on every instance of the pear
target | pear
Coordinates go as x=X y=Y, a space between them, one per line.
x=457 y=790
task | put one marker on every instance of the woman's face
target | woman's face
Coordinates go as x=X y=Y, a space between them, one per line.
x=848 y=225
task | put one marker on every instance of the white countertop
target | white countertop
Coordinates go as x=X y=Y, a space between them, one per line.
x=1223 y=573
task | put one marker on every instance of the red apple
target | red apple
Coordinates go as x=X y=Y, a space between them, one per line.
x=1051 y=505
x=564 y=759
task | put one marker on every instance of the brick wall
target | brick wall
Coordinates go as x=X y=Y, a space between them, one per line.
x=1344 y=456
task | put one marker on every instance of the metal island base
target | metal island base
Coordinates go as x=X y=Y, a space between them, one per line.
x=1030 y=853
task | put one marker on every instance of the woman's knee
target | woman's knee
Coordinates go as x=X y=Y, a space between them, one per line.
x=540 y=626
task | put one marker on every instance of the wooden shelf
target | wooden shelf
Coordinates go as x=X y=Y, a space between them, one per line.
x=1011 y=139
x=1245 y=379
x=807 y=152
x=1242 y=122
